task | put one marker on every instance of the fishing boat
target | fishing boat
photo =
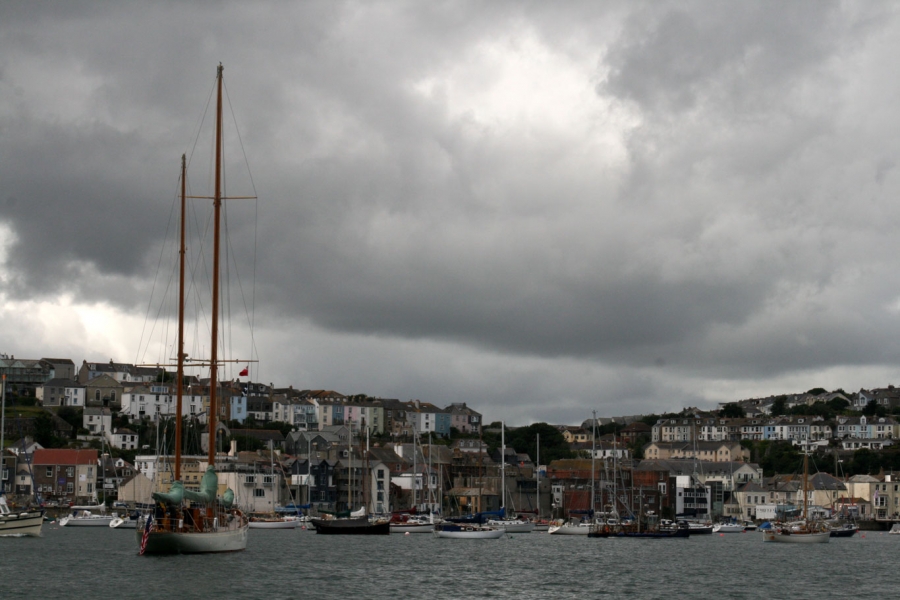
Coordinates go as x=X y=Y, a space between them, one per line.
x=14 y=523
x=805 y=531
x=458 y=531
x=185 y=521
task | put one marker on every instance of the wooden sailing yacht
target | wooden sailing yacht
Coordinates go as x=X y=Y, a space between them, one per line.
x=805 y=531
x=185 y=521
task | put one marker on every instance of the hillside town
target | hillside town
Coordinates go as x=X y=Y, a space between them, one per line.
x=102 y=432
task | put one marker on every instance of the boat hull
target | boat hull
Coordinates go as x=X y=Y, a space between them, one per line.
x=231 y=539
x=570 y=530
x=120 y=523
x=469 y=532
x=274 y=524
x=678 y=533
x=513 y=526
x=352 y=526
x=92 y=521
x=412 y=527
x=781 y=537
x=21 y=524
x=842 y=532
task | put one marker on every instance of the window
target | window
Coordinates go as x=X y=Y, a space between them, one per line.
x=70 y=488
x=250 y=479
x=70 y=471
x=49 y=471
x=259 y=493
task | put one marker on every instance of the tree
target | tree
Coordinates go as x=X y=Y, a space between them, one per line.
x=874 y=409
x=817 y=391
x=43 y=431
x=733 y=410
x=778 y=407
x=553 y=444
x=838 y=404
x=72 y=416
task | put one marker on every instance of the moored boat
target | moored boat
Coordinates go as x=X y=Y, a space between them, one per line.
x=85 y=518
x=269 y=521
x=351 y=526
x=804 y=531
x=571 y=528
x=185 y=521
x=845 y=530
x=513 y=525
x=728 y=528
x=16 y=523
x=467 y=532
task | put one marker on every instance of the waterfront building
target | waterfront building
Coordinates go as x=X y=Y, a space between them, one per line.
x=68 y=476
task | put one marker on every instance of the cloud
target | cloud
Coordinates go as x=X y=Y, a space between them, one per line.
x=629 y=207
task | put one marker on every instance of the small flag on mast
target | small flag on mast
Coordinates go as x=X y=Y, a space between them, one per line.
x=245 y=372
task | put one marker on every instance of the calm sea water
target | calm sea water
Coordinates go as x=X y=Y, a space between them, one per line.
x=102 y=562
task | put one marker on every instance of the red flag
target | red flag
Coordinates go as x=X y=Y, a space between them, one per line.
x=245 y=372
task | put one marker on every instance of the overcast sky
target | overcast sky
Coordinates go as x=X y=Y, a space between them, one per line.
x=540 y=209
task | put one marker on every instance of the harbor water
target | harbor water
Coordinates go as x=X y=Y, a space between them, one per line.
x=102 y=562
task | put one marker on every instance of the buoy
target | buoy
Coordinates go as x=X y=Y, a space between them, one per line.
x=407 y=533
x=721 y=535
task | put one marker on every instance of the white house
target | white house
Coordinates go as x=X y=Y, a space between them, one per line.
x=124 y=439
x=97 y=420
x=157 y=401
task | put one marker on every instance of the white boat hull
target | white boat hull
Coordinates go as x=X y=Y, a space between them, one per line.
x=728 y=528
x=513 y=526
x=470 y=533
x=580 y=529
x=120 y=523
x=21 y=524
x=91 y=521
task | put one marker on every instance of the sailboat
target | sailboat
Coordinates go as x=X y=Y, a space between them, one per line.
x=273 y=520
x=358 y=523
x=805 y=531
x=185 y=521
x=508 y=523
x=14 y=523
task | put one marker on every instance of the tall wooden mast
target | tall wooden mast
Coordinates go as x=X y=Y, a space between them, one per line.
x=179 y=375
x=214 y=346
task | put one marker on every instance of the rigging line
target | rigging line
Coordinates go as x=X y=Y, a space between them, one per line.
x=169 y=228
x=252 y=312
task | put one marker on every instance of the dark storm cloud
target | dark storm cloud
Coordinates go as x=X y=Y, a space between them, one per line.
x=633 y=205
